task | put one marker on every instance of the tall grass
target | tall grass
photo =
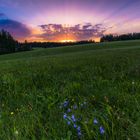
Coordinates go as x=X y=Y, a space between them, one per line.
x=101 y=84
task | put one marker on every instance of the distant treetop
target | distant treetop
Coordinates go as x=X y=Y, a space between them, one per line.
x=110 y=37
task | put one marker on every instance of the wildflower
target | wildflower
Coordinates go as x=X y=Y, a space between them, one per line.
x=12 y=113
x=102 y=131
x=95 y=121
x=79 y=134
x=69 y=110
x=66 y=103
x=75 y=107
x=65 y=116
x=79 y=119
x=74 y=125
x=78 y=128
x=16 y=132
x=73 y=118
x=133 y=82
x=82 y=105
x=68 y=122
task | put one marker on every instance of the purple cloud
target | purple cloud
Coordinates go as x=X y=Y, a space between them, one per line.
x=17 y=29
x=78 y=32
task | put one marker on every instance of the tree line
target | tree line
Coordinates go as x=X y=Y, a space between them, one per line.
x=130 y=36
x=9 y=45
x=57 y=44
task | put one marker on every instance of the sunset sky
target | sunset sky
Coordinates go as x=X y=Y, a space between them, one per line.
x=68 y=20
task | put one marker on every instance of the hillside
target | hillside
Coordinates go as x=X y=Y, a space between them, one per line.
x=41 y=89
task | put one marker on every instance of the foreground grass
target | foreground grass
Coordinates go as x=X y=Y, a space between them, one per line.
x=98 y=82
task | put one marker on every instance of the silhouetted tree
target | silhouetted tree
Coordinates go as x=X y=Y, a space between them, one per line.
x=7 y=43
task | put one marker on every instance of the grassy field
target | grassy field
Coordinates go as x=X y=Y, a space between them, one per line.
x=77 y=92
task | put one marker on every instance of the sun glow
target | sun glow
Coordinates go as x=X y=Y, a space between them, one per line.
x=97 y=39
x=64 y=41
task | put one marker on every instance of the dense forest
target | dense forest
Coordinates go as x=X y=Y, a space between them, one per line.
x=9 y=45
x=130 y=36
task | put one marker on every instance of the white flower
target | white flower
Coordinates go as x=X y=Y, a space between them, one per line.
x=16 y=132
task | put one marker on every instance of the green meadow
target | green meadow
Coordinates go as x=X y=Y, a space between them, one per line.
x=85 y=92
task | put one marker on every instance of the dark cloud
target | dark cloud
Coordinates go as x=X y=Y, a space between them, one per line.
x=78 y=32
x=17 y=29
